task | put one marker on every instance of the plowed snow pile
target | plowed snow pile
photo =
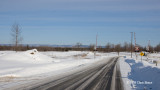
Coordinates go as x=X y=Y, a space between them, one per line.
x=30 y=56
x=23 y=63
x=140 y=74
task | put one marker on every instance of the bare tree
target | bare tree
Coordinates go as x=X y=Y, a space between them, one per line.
x=78 y=45
x=108 y=47
x=16 y=35
x=118 y=48
x=112 y=47
x=91 y=47
x=157 y=48
x=126 y=47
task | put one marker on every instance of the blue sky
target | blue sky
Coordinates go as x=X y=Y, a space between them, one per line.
x=71 y=21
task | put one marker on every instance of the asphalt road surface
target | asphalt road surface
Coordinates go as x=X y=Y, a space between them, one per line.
x=101 y=76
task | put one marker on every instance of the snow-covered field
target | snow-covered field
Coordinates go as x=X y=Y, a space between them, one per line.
x=20 y=67
x=28 y=66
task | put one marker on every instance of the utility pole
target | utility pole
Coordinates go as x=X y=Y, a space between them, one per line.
x=96 y=40
x=135 y=38
x=131 y=42
x=149 y=45
x=95 y=49
x=135 y=47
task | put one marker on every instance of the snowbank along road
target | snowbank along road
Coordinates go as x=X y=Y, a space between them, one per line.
x=104 y=75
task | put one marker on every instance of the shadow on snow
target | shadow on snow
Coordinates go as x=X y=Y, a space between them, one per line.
x=143 y=77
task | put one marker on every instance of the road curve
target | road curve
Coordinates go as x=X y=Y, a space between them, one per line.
x=103 y=76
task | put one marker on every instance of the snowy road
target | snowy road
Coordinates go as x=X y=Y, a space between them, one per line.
x=101 y=76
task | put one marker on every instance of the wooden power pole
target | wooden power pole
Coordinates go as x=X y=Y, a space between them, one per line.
x=131 y=42
x=135 y=47
x=95 y=49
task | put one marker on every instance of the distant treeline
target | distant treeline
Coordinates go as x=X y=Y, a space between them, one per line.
x=108 y=48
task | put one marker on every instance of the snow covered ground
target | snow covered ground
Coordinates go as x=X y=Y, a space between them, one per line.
x=28 y=66
x=140 y=75
x=23 y=67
